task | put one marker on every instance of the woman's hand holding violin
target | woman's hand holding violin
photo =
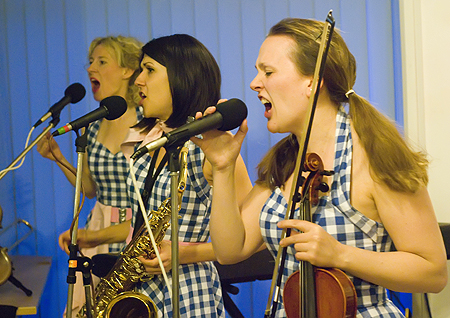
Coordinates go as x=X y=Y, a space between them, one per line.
x=312 y=243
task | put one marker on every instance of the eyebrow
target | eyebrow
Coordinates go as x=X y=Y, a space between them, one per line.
x=261 y=65
x=99 y=57
x=147 y=62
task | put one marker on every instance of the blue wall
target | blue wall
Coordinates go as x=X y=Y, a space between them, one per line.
x=43 y=47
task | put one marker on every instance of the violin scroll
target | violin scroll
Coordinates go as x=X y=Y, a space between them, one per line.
x=314 y=183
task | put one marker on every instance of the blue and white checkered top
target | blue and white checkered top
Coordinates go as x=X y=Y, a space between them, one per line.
x=200 y=291
x=110 y=172
x=337 y=216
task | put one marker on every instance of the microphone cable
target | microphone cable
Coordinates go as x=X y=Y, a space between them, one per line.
x=147 y=224
x=5 y=171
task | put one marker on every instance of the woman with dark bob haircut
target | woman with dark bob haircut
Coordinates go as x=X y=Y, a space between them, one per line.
x=179 y=78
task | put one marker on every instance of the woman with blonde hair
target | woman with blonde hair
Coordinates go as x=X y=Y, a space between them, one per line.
x=113 y=68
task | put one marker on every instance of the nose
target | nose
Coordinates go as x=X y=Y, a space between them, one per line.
x=90 y=68
x=256 y=83
x=139 y=79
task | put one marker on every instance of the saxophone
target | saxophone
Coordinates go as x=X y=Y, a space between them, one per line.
x=114 y=295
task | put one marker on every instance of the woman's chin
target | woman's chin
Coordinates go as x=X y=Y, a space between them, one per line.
x=98 y=96
x=272 y=127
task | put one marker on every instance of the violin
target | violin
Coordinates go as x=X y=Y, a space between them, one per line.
x=311 y=292
x=314 y=291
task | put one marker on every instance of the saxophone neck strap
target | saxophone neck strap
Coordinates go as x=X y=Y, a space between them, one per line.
x=148 y=186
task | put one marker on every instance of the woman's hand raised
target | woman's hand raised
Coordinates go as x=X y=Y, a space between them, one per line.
x=221 y=148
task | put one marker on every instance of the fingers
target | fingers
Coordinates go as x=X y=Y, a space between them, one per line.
x=149 y=262
x=42 y=145
x=312 y=243
x=222 y=100
x=242 y=131
x=295 y=224
x=152 y=266
x=300 y=231
x=47 y=146
x=64 y=241
x=208 y=111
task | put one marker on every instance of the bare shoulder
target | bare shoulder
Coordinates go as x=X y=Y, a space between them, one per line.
x=362 y=183
x=408 y=217
x=410 y=220
x=404 y=209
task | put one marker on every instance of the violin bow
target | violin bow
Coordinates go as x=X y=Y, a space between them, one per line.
x=295 y=196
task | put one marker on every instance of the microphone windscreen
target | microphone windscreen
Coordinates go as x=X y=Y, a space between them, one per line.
x=233 y=113
x=76 y=92
x=116 y=106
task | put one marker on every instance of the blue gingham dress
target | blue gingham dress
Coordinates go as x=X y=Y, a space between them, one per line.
x=110 y=172
x=336 y=215
x=200 y=290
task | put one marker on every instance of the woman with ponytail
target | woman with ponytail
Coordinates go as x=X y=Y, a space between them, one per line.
x=376 y=222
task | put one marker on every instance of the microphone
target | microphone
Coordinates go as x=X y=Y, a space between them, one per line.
x=228 y=116
x=73 y=94
x=111 y=108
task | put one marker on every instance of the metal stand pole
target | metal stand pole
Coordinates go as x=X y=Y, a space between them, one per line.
x=52 y=124
x=81 y=143
x=174 y=172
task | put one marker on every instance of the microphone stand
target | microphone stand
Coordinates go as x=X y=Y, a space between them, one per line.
x=85 y=263
x=174 y=168
x=53 y=123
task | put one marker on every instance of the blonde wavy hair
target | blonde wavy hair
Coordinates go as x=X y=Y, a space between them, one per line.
x=127 y=52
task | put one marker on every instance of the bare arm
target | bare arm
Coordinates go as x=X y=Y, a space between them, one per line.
x=418 y=265
x=234 y=225
x=235 y=231
x=87 y=238
x=187 y=254
x=202 y=252
x=242 y=180
x=48 y=148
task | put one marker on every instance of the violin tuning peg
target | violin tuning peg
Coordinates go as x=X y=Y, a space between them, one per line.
x=323 y=187
x=327 y=172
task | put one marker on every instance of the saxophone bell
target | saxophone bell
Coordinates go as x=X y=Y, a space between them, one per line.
x=131 y=305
